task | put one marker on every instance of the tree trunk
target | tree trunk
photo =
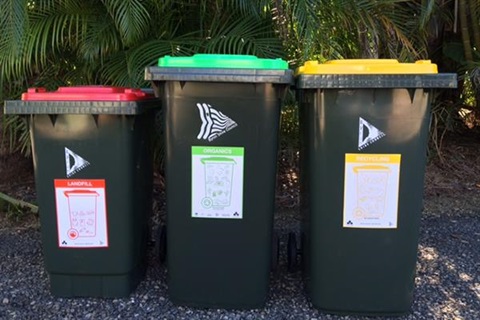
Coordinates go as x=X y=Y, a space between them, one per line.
x=475 y=25
x=467 y=47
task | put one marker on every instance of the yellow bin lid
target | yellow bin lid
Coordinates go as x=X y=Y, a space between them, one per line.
x=366 y=66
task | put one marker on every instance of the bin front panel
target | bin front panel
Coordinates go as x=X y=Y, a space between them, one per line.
x=220 y=262
x=360 y=270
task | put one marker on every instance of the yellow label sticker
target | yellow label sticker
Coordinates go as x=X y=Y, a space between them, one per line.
x=371 y=189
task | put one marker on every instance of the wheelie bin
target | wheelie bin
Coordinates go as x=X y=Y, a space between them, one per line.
x=93 y=175
x=364 y=133
x=221 y=118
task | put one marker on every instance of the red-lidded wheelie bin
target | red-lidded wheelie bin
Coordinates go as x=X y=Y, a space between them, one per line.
x=93 y=175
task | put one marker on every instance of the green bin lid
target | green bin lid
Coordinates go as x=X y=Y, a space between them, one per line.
x=231 y=61
x=221 y=68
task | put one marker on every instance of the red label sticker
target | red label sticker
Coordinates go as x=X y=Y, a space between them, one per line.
x=81 y=213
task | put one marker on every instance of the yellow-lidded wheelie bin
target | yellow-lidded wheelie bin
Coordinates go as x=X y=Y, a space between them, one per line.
x=364 y=131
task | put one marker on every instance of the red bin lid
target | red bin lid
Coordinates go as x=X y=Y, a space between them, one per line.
x=86 y=93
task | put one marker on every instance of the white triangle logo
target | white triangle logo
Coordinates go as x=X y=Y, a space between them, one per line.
x=367 y=134
x=73 y=162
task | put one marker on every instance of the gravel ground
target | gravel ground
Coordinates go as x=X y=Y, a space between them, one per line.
x=447 y=282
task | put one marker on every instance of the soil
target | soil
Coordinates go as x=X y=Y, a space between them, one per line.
x=453 y=171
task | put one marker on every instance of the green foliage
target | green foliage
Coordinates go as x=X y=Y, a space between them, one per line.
x=15 y=129
x=16 y=210
x=111 y=41
x=55 y=43
x=459 y=53
x=354 y=29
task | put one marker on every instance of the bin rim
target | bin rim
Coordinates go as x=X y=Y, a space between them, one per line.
x=376 y=81
x=38 y=107
x=223 y=75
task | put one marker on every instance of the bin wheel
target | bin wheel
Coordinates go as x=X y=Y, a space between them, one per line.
x=275 y=252
x=292 y=252
x=161 y=243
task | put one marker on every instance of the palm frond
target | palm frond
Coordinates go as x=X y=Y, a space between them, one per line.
x=243 y=36
x=61 y=24
x=148 y=53
x=247 y=8
x=116 y=71
x=427 y=10
x=131 y=18
x=100 y=39
x=14 y=26
x=305 y=15
x=13 y=23
x=16 y=129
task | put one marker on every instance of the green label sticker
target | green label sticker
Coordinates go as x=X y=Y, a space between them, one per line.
x=217 y=182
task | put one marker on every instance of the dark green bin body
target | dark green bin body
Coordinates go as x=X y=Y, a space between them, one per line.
x=361 y=270
x=220 y=263
x=114 y=138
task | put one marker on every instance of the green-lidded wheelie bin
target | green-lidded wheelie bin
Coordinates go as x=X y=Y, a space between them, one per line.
x=93 y=175
x=221 y=119
x=364 y=133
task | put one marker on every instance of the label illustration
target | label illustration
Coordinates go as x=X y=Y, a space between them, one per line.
x=214 y=123
x=371 y=190
x=367 y=134
x=73 y=162
x=81 y=213
x=217 y=182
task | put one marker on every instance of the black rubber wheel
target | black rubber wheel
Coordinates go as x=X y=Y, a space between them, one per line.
x=292 y=252
x=161 y=243
x=275 y=252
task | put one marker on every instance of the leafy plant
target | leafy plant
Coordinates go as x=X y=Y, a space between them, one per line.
x=16 y=209
x=55 y=43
